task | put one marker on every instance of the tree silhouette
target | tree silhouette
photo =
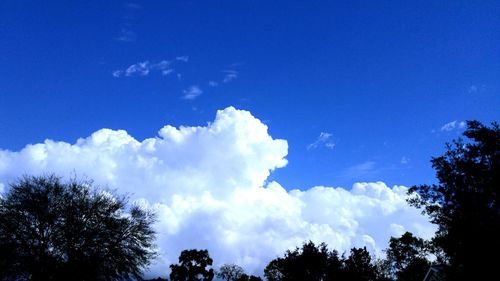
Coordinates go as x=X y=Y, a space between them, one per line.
x=274 y=271
x=358 y=265
x=407 y=257
x=194 y=265
x=245 y=277
x=465 y=203
x=313 y=263
x=307 y=263
x=231 y=272
x=55 y=230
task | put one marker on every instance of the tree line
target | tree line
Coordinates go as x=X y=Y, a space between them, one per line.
x=56 y=230
x=407 y=259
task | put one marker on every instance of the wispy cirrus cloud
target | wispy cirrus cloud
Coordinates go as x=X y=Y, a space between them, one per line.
x=171 y=66
x=453 y=125
x=140 y=69
x=192 y=92
x=324 y=140
x=476 y=89
x=182 y=58
x=166 y=72
x=229 y=75
x=133 y=6
x=126 y=35
x=144 y=68
x=404 y=160
x=129 y=13
x=362 y=169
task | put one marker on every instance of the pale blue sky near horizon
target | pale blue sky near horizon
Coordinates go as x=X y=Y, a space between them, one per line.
x=361 y=90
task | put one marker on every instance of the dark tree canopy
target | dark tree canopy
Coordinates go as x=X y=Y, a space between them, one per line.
x=194 y=265
x=245 y=277
x=307 y=263
x=358 y=266
x=230 y=272
x=407 y=257
x=55 y=230
x=233 y=272
x=466 y=203
x=317 y=263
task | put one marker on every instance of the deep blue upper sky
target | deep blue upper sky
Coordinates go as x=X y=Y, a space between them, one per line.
x=382 y=77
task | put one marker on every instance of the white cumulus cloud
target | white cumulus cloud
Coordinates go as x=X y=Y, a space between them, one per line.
x=209 y=187
x=453 y=125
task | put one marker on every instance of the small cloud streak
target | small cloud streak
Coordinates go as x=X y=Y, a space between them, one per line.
x=126 y=35
x=213 y=84
x=476 y=89
x=230 y=75
x=166 y=72
x=453 y=125
x=133 y=6
x=183 y=58
x=324 y=139
x=405 y=160
x=117 y=73
x=144 y=68
x=192 y=92
x=140 y=69
x=472 y=89
x=367 y=168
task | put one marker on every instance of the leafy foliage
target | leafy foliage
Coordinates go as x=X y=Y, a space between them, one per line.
x=245 y=277
x=233 y=272
x=407 y=257
x=194 y=265
x=313 y=263
x=230 y=272
x=54 y=230
x=358 y=266
x=466 y=203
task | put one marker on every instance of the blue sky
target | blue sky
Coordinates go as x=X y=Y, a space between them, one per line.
x=377 y=80
x=363 y=92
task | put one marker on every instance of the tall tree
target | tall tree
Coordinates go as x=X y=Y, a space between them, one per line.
x=194 y=265
x=55 y=230
x=466 y=203
x=310 y=262
x=407 y=257
x=358 y=265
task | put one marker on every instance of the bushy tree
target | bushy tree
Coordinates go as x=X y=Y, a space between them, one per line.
x=230 y=272
x=194 y=265
x=307 y=263
x=245 y=277
x=317 y=263
x=407 y=257
x=358 y=266
x=55 y=230
x=233 y=272
x=465 y=204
